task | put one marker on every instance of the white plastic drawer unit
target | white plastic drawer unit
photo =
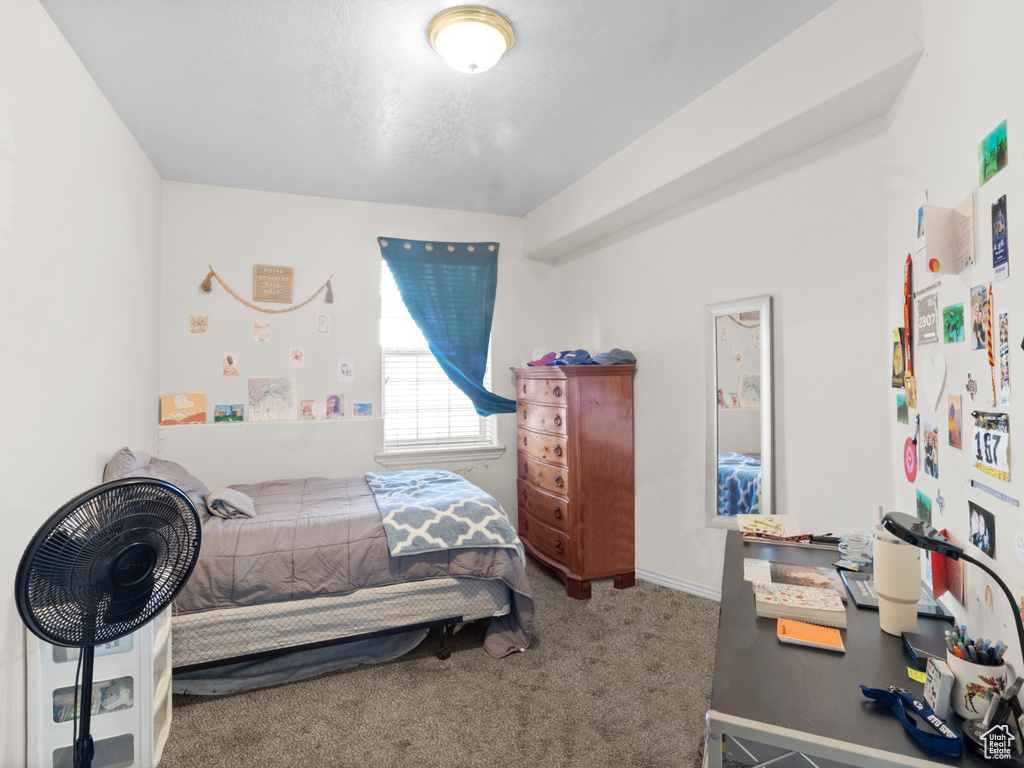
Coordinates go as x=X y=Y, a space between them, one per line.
x=130 y=701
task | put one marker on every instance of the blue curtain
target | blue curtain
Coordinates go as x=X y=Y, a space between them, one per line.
x=448 y=289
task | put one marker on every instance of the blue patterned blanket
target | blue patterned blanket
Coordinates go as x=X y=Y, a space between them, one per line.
x=426 y=510
x=739 y=484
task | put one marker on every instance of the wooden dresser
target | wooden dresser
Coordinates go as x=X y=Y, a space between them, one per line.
x=575 y=487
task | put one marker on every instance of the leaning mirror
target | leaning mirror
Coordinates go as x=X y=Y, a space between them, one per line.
x=738 y=404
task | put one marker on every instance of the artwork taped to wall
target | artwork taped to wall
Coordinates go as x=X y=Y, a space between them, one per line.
x=187 y=408
x=1004 y=358
x=229 y=364
x=953 y=323
x=296 y=357
x=198 y=323
x=323 y=323
x=993 y=154
x=902 y=412
x=983 y=529
x=898 y=361
x=931 y=449
x=991 y=444
x=272 y=284
x=229 y=413
x=979 y=317
x=272 y=399
x=956 y=421
x=347 y=370
x=306 y=410
x=362 y=410
x=924 y=508
x=335 y=406
x=1000 y=244
x=261 y=331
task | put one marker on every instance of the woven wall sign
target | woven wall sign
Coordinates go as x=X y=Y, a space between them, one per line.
x=273 y=284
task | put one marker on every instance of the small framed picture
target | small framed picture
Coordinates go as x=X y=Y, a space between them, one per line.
x=362 y=410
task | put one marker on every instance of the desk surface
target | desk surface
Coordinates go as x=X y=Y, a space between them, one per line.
x=807 y=690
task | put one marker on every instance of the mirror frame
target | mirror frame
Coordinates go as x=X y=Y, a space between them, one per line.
x=762 y=304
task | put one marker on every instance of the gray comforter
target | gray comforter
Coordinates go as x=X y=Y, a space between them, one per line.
x=316 y=537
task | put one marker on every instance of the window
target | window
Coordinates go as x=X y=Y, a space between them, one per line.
x=423 y=410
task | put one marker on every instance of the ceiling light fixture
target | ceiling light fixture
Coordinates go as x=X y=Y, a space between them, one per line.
x=470 y=38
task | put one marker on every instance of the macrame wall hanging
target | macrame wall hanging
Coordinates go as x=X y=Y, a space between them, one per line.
x=328 y=299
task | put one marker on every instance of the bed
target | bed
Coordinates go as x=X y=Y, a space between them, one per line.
x=739 y=483
x=309 y=582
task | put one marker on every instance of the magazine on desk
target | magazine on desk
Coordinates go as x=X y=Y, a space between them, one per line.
x=862 y=589
x=820 y=576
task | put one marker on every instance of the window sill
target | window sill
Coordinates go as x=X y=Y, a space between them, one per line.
x=430 y=456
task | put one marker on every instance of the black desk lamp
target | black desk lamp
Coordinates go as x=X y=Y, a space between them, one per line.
x=923 y=535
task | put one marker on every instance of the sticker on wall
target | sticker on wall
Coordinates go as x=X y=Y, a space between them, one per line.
x=953 y=323
x=296 y=357
x=979 y=317
x=931 y=449
x=261 y=331
x=992 y=444
x=956 y=422
x=335 y=406
x=229 y=413
x=902 y=411
x=927 y=324
x=931 y=378
x=1000 y=244
x=347 y=370
x=941 y=501
x=198 y=323
x=924 y=508
x=897 y=359
x=910 y=453
x=1004 y=358
x=983 y=529
x=971 y=387
x=362 y=410
x=992 y=154
x=323 y=323
x=229 y=364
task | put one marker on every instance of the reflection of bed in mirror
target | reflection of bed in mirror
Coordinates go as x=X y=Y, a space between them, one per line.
x=739 y=484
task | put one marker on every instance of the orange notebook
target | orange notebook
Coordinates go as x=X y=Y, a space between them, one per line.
x=802 y=633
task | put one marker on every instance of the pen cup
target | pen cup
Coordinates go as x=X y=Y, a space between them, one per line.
x=897 y=582
x=975 y=684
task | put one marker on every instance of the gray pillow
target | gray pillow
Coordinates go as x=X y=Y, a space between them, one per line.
x=127 y=463
x=124 y=463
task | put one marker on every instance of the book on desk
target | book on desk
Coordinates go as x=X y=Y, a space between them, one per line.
x=820 y=576
x=811 y=635
x=791 y=601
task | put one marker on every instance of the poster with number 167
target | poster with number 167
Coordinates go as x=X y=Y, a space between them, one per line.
x=991 y=444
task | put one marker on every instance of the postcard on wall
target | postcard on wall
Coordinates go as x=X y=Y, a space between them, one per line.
x=229 y=413
x=924 y=508
x=198 y=323
x=931 y=449
x=927 y=323
x=335 y=406
x=272 y=399
x=189 y=408
x=296 y=357
x=983 y=529
x=902 y=411
x=1000 y=243
x=993 y=154
x=919 y=239
x=991 y=444
x=956 y=422
x=362 y=410
x=897 y=358
x=950 y=233
x=347 y=370
x=261 y=330
x=1004 y=358
x=323 y=323
x=979 y=317
x=229 y=364
x=953 y=323
x=750 y=390
x=306 y=410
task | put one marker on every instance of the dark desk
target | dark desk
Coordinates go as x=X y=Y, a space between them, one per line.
x=805 y=699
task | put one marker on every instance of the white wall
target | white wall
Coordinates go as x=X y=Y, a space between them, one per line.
x=809 y=232
x=961 y=90
x=80 y=249
x=234 y=229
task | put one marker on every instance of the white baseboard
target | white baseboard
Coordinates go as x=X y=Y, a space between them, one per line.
x=679 y=584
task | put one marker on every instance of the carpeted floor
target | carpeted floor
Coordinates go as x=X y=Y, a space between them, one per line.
x=620 y=681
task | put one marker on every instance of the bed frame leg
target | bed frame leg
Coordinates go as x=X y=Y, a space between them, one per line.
x=444 y=651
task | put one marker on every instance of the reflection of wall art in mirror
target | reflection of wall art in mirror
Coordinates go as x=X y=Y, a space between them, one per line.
x=738 y=480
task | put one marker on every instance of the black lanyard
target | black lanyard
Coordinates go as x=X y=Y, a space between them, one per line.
x=944 y=741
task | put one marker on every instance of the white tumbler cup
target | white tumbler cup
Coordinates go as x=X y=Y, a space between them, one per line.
x=897 y=582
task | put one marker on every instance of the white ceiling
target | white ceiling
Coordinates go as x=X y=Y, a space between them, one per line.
x=346 y=98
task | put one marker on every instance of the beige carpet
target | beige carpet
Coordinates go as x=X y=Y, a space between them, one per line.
x=618 y=681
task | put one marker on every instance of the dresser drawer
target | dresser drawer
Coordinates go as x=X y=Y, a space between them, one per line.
x=546 y=391
x=550 y=509
x=544 y=476
x=546 y=540
x=543 y=418
x=551 y=449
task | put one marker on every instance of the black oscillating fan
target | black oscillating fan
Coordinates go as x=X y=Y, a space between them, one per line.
x=103 y=566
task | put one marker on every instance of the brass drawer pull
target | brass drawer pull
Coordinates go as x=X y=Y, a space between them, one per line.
x=558 y=392
x=558 y=450
x=558 y=421
x=558 y=546
x=558 y=513
x=558 y=480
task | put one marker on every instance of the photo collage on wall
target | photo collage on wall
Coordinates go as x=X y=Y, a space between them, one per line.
x=952 y=354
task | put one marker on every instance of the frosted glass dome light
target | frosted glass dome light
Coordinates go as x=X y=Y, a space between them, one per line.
x=470 y=38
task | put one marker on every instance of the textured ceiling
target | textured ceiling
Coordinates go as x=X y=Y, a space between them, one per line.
x=346 y=98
